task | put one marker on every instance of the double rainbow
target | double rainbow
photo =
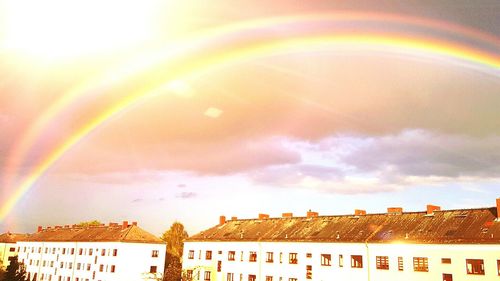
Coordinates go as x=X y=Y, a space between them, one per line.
x=246 y=41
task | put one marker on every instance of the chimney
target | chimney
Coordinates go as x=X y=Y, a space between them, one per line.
x=124 y=224
x=40 y=228
x=311 y=214
x=395 y=210
x=498 y=208
x=57 y=227
x=234 y=218
x=222 y=220
x=134 y=223
x=287 y=215
x=263 y=216
x=359 y=212
x=432 y=208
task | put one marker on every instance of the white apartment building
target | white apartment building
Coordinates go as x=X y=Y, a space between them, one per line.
x=448 y=245
x=104 y=253
x=8 y=247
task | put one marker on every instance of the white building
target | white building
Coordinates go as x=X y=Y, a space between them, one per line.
x=451 y=245
x=104 y=253
x=8 y=247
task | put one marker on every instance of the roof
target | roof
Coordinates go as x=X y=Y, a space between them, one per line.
x=465 y=226
x=12 y=237
x=114 y=233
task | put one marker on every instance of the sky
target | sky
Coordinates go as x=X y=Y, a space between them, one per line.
x=161 y=111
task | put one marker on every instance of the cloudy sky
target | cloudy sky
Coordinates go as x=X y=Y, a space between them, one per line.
x=326 y=128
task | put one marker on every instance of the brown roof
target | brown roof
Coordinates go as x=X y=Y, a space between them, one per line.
x=465 y=226
x=132 y=233
x=12 y=237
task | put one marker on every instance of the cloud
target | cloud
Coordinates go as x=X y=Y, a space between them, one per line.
x=186 y=195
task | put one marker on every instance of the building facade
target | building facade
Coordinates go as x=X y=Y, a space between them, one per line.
x=449 y=245
x=8 y=247
x=105 y=253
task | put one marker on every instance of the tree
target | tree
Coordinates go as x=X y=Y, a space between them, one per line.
x=175 y=244
x=15 y=271
x=89 y=223
x=175 y=239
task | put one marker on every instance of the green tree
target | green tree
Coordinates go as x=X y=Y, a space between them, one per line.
x=89 y=223
x=174 y=237
x=15 y=271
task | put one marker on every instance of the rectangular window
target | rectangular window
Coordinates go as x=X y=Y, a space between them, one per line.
x=281 y=257
x=208 y=255
x=207 y=276
x=230 y=255
x=189 y=275
x=191 y=254
x=356 y=261
x=88 y=266
x=292 y=279
x=12 y=249
x=103 y=252
x=309 y=255
x=154 y=254
x=252 y=277
x=400 y=264
x=112 y=269
x=219 y=266
x=498 y=267
x=153 y=269
x=420 y=264
x=241 y=257
x=269 y=278
x=475 y=266
x=115 y=252
x=90 y=252
x=269 y=257
x=101 y=268
x=341 y=261
x=326 y=259
x=78 y=266
x=292 y=258
x=382 y=262
x=230 y=277
x=446 y=260
x=80 y=252
x=309 y=272
x=253 y=257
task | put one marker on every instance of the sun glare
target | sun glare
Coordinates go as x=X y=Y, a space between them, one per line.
x=60 y=29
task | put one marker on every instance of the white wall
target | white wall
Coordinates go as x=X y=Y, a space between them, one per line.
x=458 y=254
x=132 y=262
x=6 y=253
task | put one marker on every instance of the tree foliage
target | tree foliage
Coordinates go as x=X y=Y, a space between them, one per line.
x=15 y=271
x=89 y=223
x=175 y=239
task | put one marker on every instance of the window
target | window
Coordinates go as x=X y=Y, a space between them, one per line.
x=80 y=252
x=230 y=277
x=101 y=268
x=88 y=266
x=189 y=275
x=326 y=259
x=309 y=272
x=154 y=254
x=309 y=255
x=115 y=252
x=292 y=279
x=152 y=269
x=207 y=275
x=230 y=255
x=269 y=278
x=103 y=252
x=208 y=255
x=72 y=251
x=252 y=277
x=269 y=257
x=281 y=257
x=420 y=264
x=341 y=261
x=498 y=267
x=253 y=257
x=78 y=266
x=356 y=261
x=90 y=252
x=292 y=258
x=112 y=269
x=12 y=249
x=191 y=254
x=219 y=266
x=382 y=262
x=475 y=267
x=64 y=251
x=446 y=260
x=400 y=263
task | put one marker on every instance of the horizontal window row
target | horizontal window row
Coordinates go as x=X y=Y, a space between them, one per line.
x=68 y=251
x=207 y=276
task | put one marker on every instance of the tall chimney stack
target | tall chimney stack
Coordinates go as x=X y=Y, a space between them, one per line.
x=124 y=224
x=222 y=220
x=263 y=216
x=287 y=215
x=311 y=214
x=40 y=228
x=432 y=208
x=395 y=210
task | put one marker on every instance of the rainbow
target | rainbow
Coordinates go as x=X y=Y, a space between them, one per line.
x=240 y=42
